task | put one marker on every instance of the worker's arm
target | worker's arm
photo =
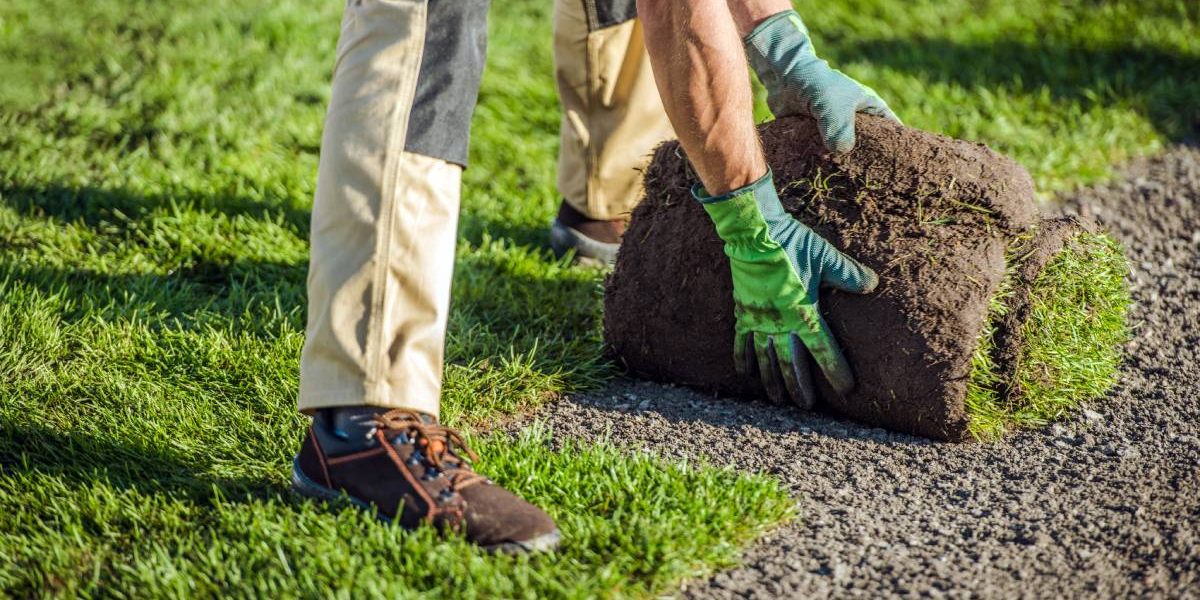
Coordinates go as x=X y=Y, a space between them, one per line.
x=777 y=263
x=779 y=48
x=700 y=69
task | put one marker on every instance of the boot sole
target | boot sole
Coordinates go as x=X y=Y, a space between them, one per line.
x=304 y=486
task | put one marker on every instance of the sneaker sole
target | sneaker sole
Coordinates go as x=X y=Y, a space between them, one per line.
x=304 y=486
x=587 y=251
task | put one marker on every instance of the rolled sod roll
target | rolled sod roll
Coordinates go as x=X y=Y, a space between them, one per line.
x=986 y=317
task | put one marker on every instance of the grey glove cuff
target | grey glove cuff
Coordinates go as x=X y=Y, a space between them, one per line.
x=767 y=44
x=703 y=197
x=780 y=46
x=769 y=25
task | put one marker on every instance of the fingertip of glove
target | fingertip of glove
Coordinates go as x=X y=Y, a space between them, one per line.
x=858 y=279
x=889 y=115
x=842 y=383
x=872 y=280
x=837 y=132
x=874 y=105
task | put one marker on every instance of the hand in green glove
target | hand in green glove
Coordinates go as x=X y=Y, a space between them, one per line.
x=778 y=267
x=799 y=83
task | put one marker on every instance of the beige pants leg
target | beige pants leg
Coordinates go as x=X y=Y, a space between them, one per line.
x=612 y=115
x=383 y=227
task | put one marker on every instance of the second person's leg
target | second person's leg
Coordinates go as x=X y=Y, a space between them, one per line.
x=612 y=119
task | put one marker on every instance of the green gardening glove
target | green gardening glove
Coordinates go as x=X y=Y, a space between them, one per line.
x=799 y=83
x=778 y=266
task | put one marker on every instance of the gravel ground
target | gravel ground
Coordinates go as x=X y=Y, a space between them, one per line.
x=1104 y=504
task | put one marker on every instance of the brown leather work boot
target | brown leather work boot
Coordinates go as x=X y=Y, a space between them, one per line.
x=594 y=241
x=405 y=467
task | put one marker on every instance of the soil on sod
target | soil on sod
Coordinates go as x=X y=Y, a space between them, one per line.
x=932 y=215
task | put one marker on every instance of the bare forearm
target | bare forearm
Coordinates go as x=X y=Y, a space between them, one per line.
x=700 y=69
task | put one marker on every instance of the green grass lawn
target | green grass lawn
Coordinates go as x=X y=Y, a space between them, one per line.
x=157 y=163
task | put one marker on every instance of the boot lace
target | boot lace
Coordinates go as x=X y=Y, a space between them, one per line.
x=439 y=445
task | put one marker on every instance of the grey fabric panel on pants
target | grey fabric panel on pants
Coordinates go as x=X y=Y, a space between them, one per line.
x=606 y=13
x=448 y=84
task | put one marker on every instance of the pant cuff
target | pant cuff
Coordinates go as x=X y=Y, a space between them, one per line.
x=310 y=402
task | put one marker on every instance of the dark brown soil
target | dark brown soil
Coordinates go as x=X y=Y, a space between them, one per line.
x=932 y=215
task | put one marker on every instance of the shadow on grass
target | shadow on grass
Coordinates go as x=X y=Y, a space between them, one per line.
x=474 y=227
x=1161 y=85
x=95 y=206
x=103 y=207
x=86 y=458
x=504 y=291
x=188 y=298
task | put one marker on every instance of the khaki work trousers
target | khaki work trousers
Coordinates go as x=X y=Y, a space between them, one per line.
x=612 y=117
x=385 y=216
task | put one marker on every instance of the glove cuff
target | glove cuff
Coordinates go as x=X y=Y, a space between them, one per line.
x=776 y=26
x=767 y=181
x=746 y=216
x=773 y=43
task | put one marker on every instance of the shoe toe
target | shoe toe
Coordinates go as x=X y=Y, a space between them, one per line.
x=497 y=519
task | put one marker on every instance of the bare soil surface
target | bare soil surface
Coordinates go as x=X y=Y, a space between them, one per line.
x=1104 y=504
x=931 y=214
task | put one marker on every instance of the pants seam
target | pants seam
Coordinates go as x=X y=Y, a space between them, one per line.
x=593 y=158
x=394 y=150
x=593 y=15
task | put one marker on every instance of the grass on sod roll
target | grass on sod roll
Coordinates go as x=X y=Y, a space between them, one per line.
x=988 y=413
x=1075 y=329
x=1072 y=339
